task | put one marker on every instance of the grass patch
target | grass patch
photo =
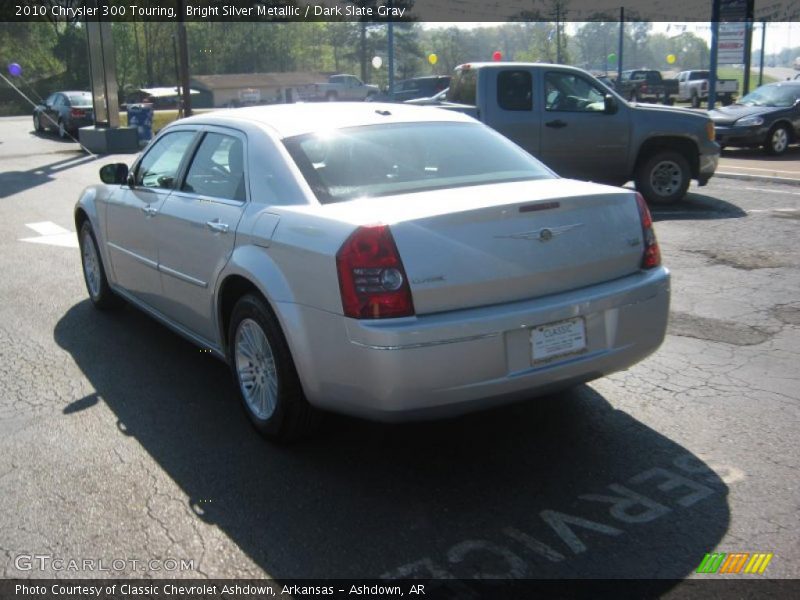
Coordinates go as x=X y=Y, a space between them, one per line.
x=161 y=118
x=738 y=75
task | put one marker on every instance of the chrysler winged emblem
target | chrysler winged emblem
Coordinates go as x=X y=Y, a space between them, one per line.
x=545 y=234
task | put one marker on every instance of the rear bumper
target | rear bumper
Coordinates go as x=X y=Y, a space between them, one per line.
x=450 y=363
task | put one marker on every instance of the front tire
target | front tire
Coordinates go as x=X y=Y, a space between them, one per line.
x=37 y=123
x=664 y=177
x=777 y=140
x=94 y=274
x=265 y=374
x=62 y=129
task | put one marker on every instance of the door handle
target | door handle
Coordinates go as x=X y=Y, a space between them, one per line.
x=217 y=226
x=149 y=210
x=557 y=124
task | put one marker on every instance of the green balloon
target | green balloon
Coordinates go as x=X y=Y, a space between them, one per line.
x=612 y=58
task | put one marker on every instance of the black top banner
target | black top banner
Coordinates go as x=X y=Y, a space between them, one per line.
x=398 y=10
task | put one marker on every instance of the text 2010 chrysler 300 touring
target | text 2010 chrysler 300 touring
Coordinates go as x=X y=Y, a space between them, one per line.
x=387 y=261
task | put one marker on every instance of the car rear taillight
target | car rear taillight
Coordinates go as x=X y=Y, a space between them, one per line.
x=651 y=257
x=77 y=113
x=372 y=280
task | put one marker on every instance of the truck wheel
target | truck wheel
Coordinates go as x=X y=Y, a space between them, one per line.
x=664 y=177
x=331 y=96
x=777 y=140
x=695 y=101
x=727 y=100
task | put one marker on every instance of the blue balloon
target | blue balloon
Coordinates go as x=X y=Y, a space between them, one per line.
x=14 y=69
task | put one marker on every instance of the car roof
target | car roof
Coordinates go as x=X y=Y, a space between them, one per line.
x=288 y=120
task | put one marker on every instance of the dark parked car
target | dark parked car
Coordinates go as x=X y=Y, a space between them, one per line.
x=435 y=100
x=768 y=116
x=64 y=112
x=419 y=87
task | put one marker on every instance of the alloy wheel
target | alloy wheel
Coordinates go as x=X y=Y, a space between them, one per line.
x=255 y=366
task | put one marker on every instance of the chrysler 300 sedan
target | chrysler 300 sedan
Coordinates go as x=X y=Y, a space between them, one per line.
x=386 y=261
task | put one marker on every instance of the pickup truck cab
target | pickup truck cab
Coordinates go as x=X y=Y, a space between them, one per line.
x=341 y=87
x=647 y=85
x=693 y=87
x=581 y=129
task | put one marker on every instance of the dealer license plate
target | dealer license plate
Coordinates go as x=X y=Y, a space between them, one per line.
x=557 y=339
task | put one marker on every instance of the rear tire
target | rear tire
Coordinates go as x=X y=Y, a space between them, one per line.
x=664 y=177
x=695 y=101
x=265 y=374
x=94 y=273
x=777 y=140
x=331 y=97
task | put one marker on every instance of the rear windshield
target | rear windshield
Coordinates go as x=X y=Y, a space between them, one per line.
x=84 y=99
x=696 y=75
x=402 y=158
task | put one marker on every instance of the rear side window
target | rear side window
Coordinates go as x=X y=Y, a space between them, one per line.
x=160 y=165
x=463 y=87
x=217 y=169
x=515 y=90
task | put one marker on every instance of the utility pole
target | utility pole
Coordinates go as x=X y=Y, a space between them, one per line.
x=621 y=39
x=558 y=33
x=712 y=84
x=761 y=62
x=183 y=55
x=748 y=47
x=391 y=51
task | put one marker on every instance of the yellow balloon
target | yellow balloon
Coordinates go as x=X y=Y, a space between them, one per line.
x=671 y=58
x=432 y=58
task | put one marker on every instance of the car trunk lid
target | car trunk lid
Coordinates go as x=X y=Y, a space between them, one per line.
x=482 y=245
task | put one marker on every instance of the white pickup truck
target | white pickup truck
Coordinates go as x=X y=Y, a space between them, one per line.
x=339 y=87
x=693 y=86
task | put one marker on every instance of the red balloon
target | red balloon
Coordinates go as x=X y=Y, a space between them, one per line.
x=497 y=55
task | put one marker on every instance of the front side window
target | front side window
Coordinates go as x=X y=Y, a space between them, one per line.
x=568 y=92
x=402 y=158
x=515 y=90
x=217 y=169
x=160 y=165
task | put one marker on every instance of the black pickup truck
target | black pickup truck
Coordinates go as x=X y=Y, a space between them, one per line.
x=645 y=85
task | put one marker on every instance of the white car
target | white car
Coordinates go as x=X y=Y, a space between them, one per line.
x=381 y=260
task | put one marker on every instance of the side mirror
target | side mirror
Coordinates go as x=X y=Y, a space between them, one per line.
x=115 y=173
x=610 y=105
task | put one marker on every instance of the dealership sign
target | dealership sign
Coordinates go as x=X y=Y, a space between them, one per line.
x=730 y=47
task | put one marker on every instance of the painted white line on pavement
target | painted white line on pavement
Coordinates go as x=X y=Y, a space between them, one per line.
x=759 y=169
x=772 y=191
x=761 y=210
x=51 y=234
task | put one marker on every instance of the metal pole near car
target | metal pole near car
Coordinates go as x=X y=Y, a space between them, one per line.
x=621 y=40
x=712 y=78
x=761 y=62
x=391 y=51
x=183 y=53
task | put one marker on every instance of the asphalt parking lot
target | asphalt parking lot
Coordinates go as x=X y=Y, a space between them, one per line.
x=119 y=440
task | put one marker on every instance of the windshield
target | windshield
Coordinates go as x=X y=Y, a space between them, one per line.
x=772 y=95
x=401 y=158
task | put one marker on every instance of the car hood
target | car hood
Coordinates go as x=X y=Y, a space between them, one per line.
x=654 y=112
x=727 y=115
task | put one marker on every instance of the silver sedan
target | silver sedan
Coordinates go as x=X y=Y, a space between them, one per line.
x=386 y=261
